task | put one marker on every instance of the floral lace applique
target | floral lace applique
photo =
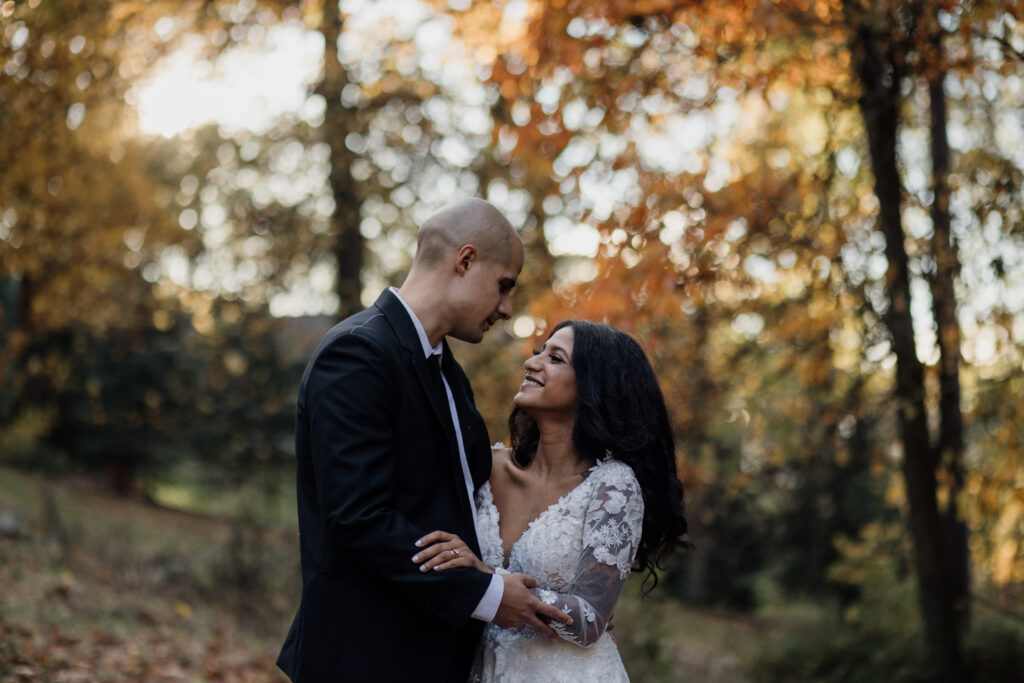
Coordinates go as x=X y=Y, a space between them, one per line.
x=580 y=550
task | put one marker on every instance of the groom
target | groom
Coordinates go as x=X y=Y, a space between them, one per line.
x=390 y=447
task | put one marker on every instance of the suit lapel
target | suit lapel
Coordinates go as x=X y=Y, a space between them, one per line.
x=405 y=333
x=447 y=365
x=469 y=422
x=430 y=382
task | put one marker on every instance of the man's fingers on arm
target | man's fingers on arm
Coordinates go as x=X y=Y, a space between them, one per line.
x=542 y=628
x=552 y=612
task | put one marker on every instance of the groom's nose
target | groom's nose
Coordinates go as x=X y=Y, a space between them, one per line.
x=505 y=306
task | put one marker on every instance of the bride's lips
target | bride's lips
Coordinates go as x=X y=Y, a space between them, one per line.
x=531 y=382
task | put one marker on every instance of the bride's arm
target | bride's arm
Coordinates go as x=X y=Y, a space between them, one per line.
x=611 y=534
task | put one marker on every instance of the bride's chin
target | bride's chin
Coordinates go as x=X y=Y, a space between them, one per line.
x=520 y=401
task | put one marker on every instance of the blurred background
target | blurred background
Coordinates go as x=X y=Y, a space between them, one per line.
x=809 y=212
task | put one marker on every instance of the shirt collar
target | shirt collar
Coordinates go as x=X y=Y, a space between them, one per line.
x=428 y=350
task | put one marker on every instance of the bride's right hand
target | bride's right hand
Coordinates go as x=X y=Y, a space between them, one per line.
x=442 y=550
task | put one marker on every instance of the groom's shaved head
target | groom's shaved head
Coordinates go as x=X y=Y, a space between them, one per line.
x=468 y=259
x=465 y=221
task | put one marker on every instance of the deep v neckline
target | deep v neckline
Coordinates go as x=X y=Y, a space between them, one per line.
x=507 y=555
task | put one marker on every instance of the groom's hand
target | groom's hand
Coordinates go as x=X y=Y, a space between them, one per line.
x=519 y=607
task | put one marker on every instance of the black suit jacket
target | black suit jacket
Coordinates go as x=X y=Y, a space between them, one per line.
x=378 y=467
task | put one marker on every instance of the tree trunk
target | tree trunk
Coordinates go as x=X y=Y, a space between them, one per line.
x=9 y=310
x=879 y=74
x=696 y=439
x=947 y=266
x=338 y=123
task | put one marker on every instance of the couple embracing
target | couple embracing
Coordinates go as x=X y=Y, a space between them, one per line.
x=428 y=555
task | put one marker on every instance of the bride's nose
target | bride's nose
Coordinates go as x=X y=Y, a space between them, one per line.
x=532 y=363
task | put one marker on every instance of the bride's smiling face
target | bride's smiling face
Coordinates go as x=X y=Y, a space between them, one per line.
x=550 y=382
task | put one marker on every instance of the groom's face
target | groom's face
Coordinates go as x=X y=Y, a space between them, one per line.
x=484 y=293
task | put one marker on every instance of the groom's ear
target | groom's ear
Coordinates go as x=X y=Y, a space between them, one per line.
x=467 y=256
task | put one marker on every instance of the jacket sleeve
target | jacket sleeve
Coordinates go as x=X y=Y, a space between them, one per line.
x=351 y=395
x=611 y=534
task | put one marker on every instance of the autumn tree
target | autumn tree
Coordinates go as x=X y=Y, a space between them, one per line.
x=339 y=122
x=799 y=215
x=79 y=215
x=89 y=215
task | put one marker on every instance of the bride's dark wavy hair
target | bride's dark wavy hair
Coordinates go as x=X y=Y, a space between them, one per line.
x=620 y=412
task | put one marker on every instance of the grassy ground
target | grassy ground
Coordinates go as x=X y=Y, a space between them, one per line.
x=99 y=589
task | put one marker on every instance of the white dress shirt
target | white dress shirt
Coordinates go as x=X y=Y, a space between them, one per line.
x=489 y=603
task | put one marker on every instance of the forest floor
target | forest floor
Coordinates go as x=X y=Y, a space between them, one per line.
x=103 y=589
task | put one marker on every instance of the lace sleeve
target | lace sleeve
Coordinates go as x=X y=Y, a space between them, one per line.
x=611 y=534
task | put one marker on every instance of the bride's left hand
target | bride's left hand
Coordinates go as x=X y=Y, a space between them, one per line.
x=442 y=550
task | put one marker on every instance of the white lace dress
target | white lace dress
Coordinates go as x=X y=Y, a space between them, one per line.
x=580 y=551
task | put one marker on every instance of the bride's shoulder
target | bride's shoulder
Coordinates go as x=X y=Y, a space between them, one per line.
x=501 y=459
x=500 y=453
x=612 y=471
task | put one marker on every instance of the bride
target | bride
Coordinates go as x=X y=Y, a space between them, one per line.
x=587 y=492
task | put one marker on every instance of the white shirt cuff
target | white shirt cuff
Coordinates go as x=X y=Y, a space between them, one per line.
x=488 y=605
